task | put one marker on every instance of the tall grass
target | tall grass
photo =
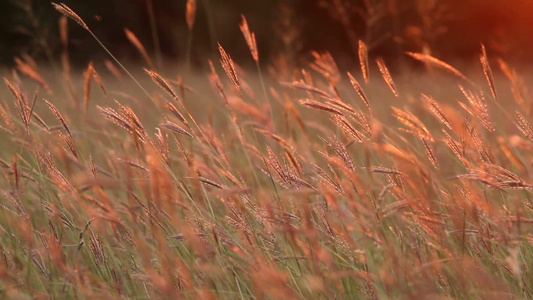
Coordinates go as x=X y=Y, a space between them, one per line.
x=395 y=188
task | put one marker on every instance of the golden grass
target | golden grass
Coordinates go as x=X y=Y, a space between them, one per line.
x=316 y=187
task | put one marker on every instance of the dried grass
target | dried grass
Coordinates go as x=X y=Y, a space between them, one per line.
x=359 y=91
x=435 y=62
x=176 y=128
x=387 y=76
x=134 y=40
x=31 y=72
x=363 y=59
x=229 y=67
x=487 y=71
x=435 y=108
x=250 y=39
x=327 y=199
x=190 y=13
x=69 y=13
x=320 y=106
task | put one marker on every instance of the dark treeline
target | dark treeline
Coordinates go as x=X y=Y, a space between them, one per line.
x=449 y=29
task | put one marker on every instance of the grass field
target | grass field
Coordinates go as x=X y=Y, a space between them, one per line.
x=246 y=184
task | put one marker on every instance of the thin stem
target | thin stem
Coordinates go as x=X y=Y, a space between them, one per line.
x=155 y=35
x=263 y=86
x=121 y=66
x=189 y=50
x=210 y=25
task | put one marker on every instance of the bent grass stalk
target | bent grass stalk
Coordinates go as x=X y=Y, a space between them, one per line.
x=252 y=45
x=65 y=10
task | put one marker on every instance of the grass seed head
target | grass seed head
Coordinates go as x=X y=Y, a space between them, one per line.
x=66 y=11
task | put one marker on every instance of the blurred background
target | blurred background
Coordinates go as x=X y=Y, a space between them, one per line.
x=286 y=30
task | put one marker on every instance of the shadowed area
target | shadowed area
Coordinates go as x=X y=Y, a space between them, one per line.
x=448 y=29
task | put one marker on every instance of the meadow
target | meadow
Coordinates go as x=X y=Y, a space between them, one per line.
x=244 y=183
